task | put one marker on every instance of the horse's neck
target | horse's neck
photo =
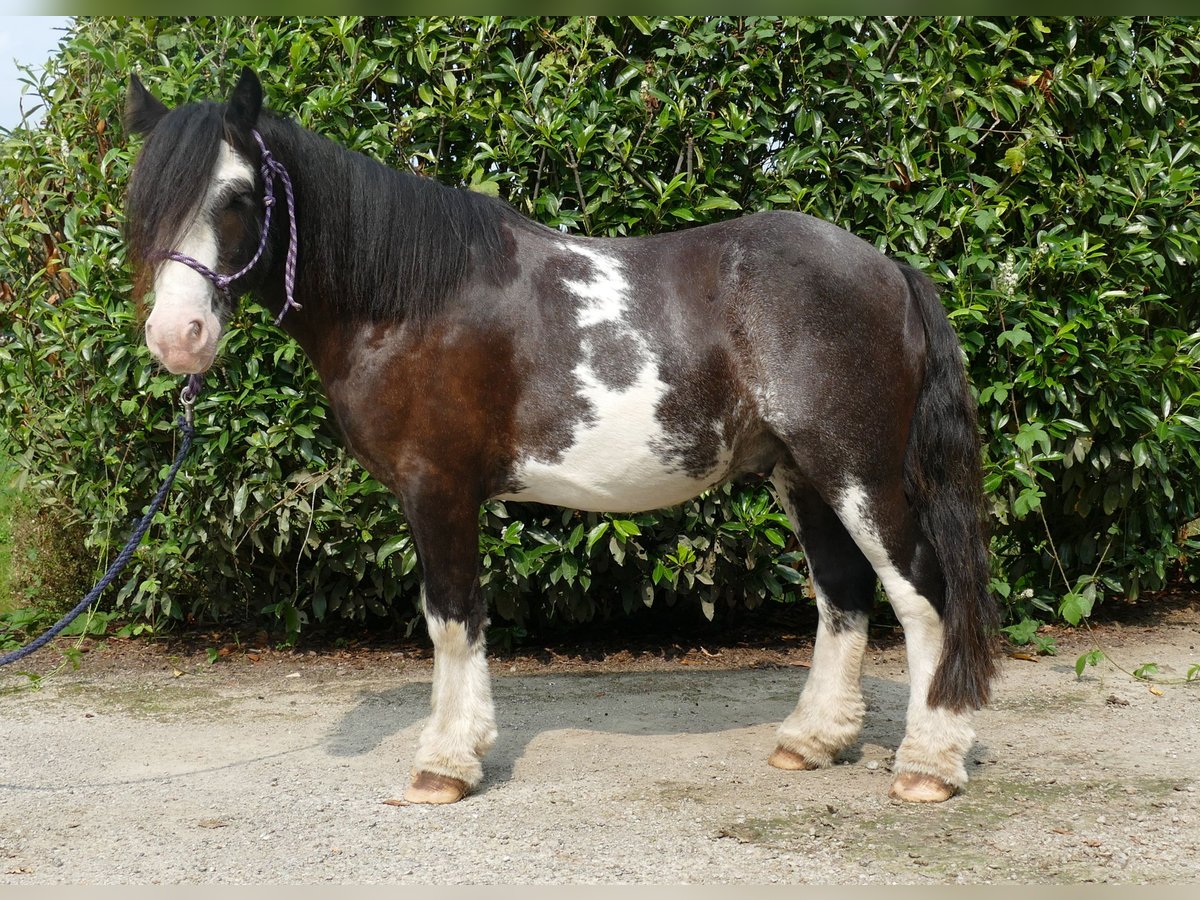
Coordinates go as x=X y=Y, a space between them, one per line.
x=381 y=249
x=310 y=160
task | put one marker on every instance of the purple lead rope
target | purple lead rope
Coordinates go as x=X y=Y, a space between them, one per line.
x=271 y=169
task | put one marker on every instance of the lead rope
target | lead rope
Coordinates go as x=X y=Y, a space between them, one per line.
x=186 y=423
x=271 y=169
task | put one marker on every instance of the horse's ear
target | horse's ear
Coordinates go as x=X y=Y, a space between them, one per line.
x=142 y=109
x=245 y=102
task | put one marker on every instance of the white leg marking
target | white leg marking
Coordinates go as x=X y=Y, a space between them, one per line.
x=463 y=725
x=830 y=713
x=936 y=741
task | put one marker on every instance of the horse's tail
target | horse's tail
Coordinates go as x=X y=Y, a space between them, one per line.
x=943 y=478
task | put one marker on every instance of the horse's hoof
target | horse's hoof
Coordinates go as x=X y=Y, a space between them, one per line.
x=789 y=760
x=916 y=787
x=427 y=787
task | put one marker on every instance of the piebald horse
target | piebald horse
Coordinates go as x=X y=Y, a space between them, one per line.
x=469 y=353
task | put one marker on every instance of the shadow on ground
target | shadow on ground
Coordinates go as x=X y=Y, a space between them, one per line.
x=632 y=704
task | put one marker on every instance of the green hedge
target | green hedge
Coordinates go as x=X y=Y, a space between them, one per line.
x=1042 y=170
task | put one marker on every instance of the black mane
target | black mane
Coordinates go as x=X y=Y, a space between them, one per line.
x=374 y=242
x=380 y=243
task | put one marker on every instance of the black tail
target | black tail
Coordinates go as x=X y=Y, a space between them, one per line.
x=944 y=480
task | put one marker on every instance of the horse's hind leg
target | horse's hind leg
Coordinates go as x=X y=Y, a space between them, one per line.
x=462 y=726
x=829 y=716
x=930 y=760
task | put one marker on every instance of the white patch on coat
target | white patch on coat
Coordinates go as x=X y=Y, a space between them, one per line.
x=183 y=329
x=936 y=741
x=462 y=726
x=614 y=461
x=603 y=298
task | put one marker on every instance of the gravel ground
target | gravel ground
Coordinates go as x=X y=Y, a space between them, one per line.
x=146 y=765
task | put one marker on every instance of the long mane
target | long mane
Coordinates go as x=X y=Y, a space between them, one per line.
x=380 y=243
x=374 y=243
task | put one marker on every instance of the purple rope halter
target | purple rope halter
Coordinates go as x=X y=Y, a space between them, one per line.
x=271 y=169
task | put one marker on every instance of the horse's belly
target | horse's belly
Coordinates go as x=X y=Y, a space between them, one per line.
x=620 y=458
x=630 y=484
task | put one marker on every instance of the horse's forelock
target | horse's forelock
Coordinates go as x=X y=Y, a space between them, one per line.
x=168 y=182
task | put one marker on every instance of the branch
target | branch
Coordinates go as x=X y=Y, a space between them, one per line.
x=579 y=190
x=887 y=60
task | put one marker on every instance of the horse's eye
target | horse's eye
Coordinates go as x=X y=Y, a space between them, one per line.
x=239 y=201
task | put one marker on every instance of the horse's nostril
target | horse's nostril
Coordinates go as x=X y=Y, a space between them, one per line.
x=195 y=329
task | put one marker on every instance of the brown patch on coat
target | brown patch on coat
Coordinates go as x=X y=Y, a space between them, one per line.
x=410 y=403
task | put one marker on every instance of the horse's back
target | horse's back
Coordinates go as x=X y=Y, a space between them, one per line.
x=662 y=365
x=832 y=335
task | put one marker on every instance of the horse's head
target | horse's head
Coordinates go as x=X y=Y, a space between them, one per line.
x=195 y=193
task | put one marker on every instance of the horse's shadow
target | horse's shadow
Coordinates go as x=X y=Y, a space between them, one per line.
x=628 y=703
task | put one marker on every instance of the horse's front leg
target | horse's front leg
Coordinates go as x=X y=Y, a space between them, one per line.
x=462 y=726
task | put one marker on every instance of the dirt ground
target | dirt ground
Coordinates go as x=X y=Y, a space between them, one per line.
x=632 y=762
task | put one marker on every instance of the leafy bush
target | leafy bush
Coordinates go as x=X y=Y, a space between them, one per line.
x=1043 y=170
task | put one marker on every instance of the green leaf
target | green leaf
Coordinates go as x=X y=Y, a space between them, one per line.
x=389 y=547
x=1091 y=658
x=595 y=534
x=641 y=23
x=788 y=574
x=625 y=528
x=569 y=567
x=717 y=202
x=1150 y=100
x=1014 y=337
x=1022 y=632
x=1075 y=607
x=1030 y=435
x=240 y=498
x=1124 y=38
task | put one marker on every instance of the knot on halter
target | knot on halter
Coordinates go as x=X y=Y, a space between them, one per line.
x=270 y=169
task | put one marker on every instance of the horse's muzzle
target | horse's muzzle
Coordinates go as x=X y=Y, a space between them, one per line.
x=185 y=348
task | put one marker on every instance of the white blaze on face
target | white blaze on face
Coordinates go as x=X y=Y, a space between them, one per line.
x=182 y=330
x=614 y=463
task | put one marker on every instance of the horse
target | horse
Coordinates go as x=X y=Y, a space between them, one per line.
x=469 y=353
